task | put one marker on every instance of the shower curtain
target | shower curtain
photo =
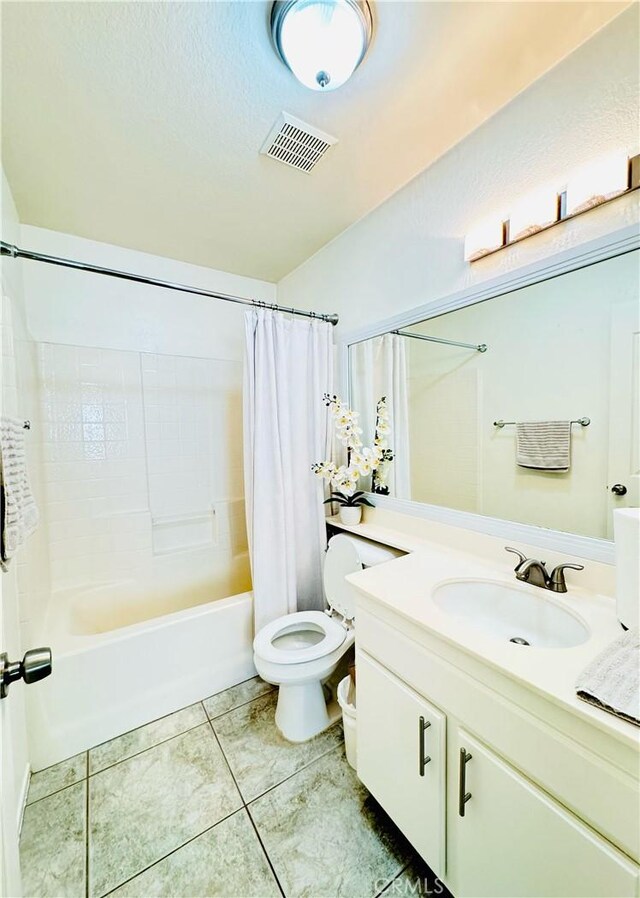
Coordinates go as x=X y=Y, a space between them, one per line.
x=288 y=367
x=379 y=368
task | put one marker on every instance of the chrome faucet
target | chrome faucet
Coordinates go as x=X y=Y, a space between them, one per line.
x=532 y=571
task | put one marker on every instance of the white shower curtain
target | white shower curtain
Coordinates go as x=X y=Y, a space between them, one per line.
x=379 y=368
x=288 y=367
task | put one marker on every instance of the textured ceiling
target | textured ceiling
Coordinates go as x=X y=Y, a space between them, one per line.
x=140 y=123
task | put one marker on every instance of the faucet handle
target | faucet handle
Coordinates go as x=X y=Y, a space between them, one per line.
x=556 y=578
x=518 y=553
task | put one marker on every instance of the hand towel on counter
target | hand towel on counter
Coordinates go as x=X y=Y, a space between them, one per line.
x=18 y=510
x=544 y=445
x=612 y=680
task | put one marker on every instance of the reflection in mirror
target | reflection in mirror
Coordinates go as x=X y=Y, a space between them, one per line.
x=564 y=349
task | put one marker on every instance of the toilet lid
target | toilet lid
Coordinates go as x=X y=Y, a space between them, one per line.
x=342 y=559
x=283 y=640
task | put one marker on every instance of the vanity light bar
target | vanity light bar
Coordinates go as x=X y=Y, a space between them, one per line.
x=593 y=185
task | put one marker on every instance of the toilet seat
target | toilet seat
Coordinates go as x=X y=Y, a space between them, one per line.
x=331 y=636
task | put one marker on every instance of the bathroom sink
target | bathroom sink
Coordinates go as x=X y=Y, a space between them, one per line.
x=511 y=613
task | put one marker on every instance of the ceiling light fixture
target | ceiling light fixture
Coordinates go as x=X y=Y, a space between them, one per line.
x=321 y=41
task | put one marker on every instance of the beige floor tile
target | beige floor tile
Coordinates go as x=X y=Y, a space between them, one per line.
x=325 y=836
x=61 y=775
x=53 y=845
x=148 y=805
x=236 y=696
x=225 y=862
x=135 y=741
x=258 y=755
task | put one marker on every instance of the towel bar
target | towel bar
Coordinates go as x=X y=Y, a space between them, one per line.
x=584 y=422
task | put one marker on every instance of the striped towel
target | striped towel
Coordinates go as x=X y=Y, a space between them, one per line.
x=545 y=445
x=18 y=510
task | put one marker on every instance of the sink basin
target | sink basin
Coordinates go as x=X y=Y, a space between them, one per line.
x=511 y=613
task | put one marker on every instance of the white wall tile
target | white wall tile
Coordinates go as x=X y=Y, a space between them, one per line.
x=128 y=438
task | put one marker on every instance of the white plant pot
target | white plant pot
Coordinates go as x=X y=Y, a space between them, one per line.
x=350 y=514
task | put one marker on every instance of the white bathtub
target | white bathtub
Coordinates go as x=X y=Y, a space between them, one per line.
x=125 y=654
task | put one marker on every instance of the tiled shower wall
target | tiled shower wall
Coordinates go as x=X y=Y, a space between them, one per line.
x=142 y=457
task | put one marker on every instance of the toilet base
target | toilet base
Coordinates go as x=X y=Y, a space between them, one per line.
x=302 y=711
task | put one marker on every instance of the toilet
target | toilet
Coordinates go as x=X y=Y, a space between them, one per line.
x=300 y=652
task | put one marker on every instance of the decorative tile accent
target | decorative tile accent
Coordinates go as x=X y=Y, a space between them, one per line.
x=236 y=696
x=226 y=861
x=259 y=756
x=146 y=806
x=325 y=835
x=52 y=779
x=136 y=741
x=52 y=845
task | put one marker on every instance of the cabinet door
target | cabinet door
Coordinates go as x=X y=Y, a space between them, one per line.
x=402 y=757
x=514 y=840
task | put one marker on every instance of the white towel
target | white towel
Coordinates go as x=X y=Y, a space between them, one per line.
x=612 y=680
x=18 y=510
x=545 y=445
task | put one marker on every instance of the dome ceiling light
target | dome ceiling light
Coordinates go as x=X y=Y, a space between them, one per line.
x=321 y=41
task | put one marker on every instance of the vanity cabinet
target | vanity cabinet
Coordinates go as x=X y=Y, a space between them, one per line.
x=510 y=838
x=480 y=823
x=402 y=757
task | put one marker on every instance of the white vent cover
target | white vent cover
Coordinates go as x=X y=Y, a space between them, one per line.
x=296 y=143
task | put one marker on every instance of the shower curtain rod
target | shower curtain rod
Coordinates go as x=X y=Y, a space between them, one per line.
x=479 y=347
x=8 y=249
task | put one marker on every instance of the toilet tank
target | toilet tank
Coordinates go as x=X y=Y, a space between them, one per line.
x=348 y=554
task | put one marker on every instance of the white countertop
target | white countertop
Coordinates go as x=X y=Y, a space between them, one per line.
x=405 y=587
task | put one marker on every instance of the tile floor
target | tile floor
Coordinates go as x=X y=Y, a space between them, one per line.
x=212 y=801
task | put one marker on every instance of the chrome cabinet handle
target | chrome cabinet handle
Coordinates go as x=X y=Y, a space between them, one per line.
x=619 y=489
x=424 y=759
x=463 y=795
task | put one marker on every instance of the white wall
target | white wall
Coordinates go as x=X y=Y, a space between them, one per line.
x=83 y=309
x=13 y=751
x=548 y=358
x=137 y=407
x=410 y=249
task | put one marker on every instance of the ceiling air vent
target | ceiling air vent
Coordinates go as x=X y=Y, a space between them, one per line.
x=296 y=143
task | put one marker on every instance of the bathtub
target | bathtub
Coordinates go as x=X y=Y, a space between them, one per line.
x=126 y=653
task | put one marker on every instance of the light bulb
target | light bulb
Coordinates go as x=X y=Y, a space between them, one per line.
x=485 y=237
x=322 y=41
x=597 y=182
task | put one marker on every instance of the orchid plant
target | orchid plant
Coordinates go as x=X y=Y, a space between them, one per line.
x=383 y=429
x=362 y=461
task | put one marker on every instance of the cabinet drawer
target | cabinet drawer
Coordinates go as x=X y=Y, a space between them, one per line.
x=402 y=757
x=514 y=840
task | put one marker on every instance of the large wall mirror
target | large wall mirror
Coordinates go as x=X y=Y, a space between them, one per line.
x=564 y=349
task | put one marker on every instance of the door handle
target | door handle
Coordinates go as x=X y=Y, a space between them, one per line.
x=424 y=759
x=619 y=489
x=36 y=665
x=463 y=795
